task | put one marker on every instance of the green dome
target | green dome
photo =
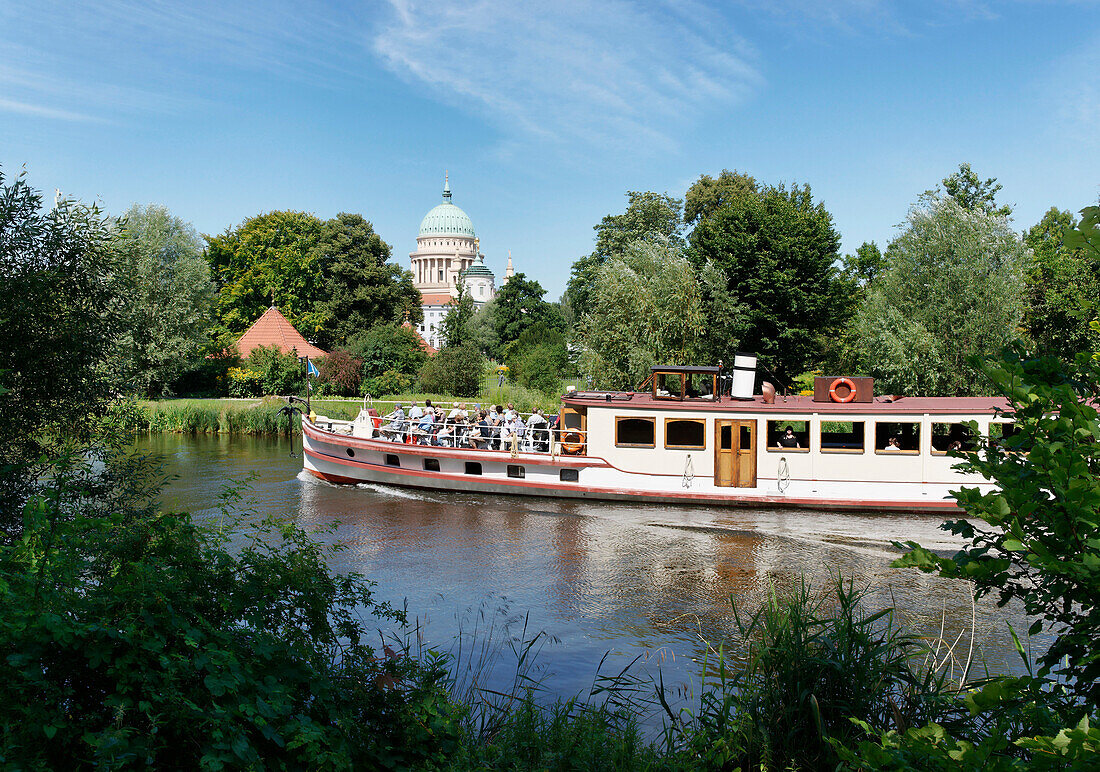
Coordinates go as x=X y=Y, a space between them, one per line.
x=446 y=219
x=478 y=268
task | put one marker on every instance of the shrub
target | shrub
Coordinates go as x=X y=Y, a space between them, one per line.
x=455 y=371
x=245 y=383
x=341 y=373
x=280 y=373
x=389 y=347
x=389 y=382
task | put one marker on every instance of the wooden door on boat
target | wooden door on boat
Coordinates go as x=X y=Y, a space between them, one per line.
x=735 y=453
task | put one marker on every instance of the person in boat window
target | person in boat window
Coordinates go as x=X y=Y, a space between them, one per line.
x=788 y=440
x=892 y=444
x=956 y=445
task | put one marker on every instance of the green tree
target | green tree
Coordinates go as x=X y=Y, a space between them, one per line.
x=455 y=371
x=280 y=373
x=360 y=288
x=538 y=359
x=648 y=216
x=646 y=310
x=708 y=195
x=166 y=282
x=269 y=259
x=519 y=305
x=1063 y=289
x=973 y=194
x=387 y=347
x=455 y=328
x=862 y=267
x=776 y=248
x=952 y=287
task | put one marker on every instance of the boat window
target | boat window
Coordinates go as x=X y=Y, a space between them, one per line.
x=570 y=475
x=1003 y=433
x=635 y=432
x=746 y=437
x=897 y=437
x=842 y=436
x=725 y=437
x=515 y=470
x=779 y=441
x=473 y=467
x=351 y=453
x=945 y=437
x=668 y=385
x=392 y=460
x=685 y=433
x=701 y=386
x=431 y=465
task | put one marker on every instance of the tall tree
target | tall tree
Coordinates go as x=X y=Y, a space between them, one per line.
x=648 y=216
x=707 y=195
x=1063 y=289
x=169 y=296
x=360 y=288
x=952 y=288
x=518 y=305
x=646 y=310
x=776 y=248
x=972 y=193
x=456 y=324
x=269 y=259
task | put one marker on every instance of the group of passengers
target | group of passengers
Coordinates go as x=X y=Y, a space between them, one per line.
x=495 y=428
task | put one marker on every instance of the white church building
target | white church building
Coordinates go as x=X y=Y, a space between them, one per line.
x=448 y=254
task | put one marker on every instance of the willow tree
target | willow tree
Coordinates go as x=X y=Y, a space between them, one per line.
x=953 y=287
x=646 y=309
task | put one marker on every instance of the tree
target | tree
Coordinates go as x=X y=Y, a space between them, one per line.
x=517 y=306
x=60 y=320
x=776 y=248
x=972 y=194
x=341 y=373
x=455 y=328
x=862 y=267
x=538 y=358
x=455 y=371
x=389 y=347
x=166 y=282
x=952 y=287
x=648 y=216
x=707 y=195
x=1063 y=289
x=646 y=310
x=270 y=259
x=360 y=288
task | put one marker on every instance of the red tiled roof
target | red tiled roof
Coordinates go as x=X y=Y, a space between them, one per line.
x=428 y=348
x=272 y=329
x=436 y=299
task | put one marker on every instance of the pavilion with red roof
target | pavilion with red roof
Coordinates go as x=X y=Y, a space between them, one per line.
x=272 y=329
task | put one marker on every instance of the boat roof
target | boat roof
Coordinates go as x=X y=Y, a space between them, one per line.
x=793 y=404
x=696 y=369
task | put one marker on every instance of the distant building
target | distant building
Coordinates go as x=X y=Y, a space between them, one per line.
x=448 y=255
x=272 y=329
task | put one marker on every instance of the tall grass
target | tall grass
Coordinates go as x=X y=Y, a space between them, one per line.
x=212 y=416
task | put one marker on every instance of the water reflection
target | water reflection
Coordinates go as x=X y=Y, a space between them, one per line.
x=599 y=577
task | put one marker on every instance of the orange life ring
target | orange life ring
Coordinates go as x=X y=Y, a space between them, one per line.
x=842 y=382
x=572 y=443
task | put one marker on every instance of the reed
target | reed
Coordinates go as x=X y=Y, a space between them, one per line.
x=214 y=416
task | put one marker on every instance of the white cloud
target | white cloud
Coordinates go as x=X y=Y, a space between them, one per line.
x=607 y=72
x=40 y=111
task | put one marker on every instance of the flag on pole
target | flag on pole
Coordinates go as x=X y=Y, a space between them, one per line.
x=311 y=368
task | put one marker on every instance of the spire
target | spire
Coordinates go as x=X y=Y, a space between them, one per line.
x=508 y=272
x=446 y=187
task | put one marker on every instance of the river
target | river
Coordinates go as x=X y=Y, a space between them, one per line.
x=617 y=579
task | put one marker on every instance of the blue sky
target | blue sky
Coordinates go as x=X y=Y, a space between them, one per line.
x=545 y=114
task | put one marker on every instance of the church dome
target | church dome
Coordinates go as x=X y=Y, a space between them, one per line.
x=446 y=219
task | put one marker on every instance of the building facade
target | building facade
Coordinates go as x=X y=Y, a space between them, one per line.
x=448 y=255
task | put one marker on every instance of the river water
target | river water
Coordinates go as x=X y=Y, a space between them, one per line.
x=600 y=579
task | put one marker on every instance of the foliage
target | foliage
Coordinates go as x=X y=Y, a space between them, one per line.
x=60 y=320
x=1038 y=535
x=387 y=347
x=138 y=638
x=341 y=373
x=648 y=216
x=455 y=371
x=862 y=267
x=708 y=195
x=279 y=373
x=518 y=306
x=646 y=310
x=243 y=382
x=206 y=376
x=269 y=260
x=169 y=296
x=538 y=359
x=389 y=382
x=189 y=416
x=972 y=194
x=952 y=287
x=360 y=288
x=455 y=328
x=1063 y=289
x=776 y=248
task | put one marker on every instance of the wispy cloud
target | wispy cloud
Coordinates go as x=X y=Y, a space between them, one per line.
x=607 y=72
x=40 y=111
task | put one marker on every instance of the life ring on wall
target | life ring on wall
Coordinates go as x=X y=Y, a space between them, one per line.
x=842 y=382
x=572 y=443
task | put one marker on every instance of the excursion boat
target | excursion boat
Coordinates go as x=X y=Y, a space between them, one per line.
x=697 y=436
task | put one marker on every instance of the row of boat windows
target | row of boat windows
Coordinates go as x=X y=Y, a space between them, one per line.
x=833 y=436
x=474 y=467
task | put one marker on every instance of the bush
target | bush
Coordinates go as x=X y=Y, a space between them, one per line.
x=389 y=347
x=539 y=359
x=389 y=382
x=341 y=373
x=245 y=383
x=279 y=373
x=455 y=371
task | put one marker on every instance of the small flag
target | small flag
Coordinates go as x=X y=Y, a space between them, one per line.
x=312 y=368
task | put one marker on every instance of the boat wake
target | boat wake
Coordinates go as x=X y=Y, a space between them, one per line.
x=396 y=493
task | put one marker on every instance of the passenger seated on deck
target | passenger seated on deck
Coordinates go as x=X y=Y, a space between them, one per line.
x=426 y=421
x=788 y=440
x=537 y=426
x=396 y=423
x=482 y=432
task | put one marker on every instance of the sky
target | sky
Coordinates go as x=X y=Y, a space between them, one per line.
x=546 y=114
